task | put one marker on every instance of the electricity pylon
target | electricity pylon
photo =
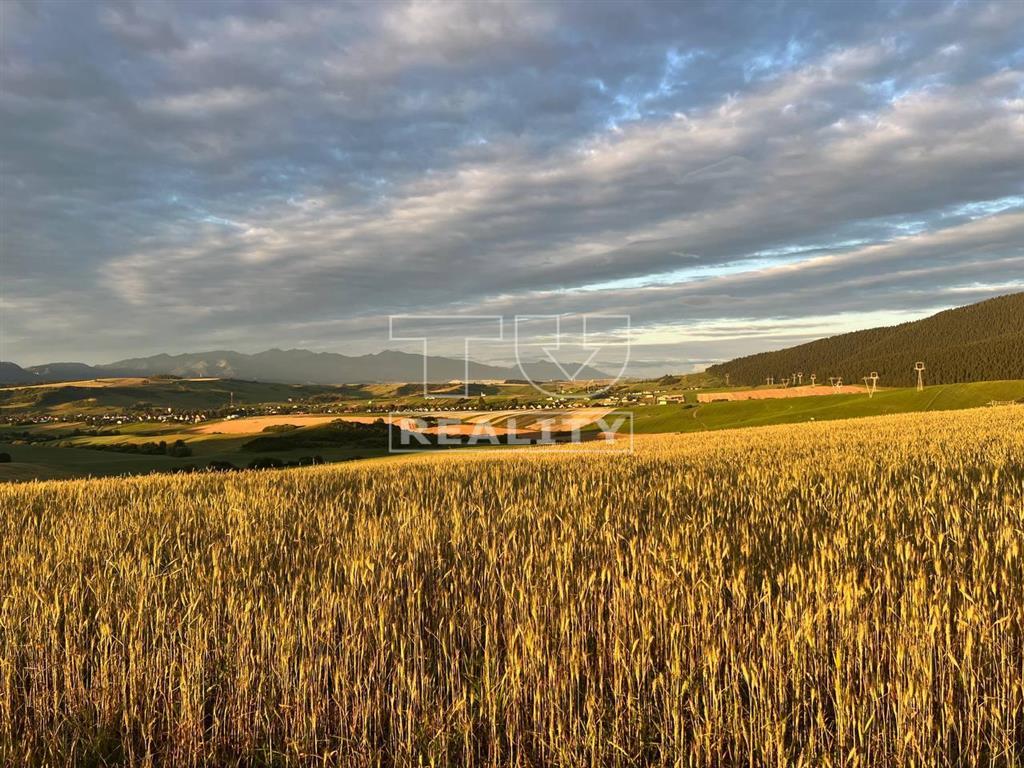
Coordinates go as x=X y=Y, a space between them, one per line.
x=871 y=382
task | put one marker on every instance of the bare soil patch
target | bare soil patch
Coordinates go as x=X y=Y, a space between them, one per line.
x=779 y=393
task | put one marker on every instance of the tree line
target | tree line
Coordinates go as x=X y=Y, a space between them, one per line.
x=980 y=342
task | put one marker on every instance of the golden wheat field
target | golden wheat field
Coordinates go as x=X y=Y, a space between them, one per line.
x=841 y=594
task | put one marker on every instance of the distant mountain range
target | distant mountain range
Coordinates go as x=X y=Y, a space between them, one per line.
x=979 y=342
x=293 y=366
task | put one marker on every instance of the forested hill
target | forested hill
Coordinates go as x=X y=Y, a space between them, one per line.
x=979 y=342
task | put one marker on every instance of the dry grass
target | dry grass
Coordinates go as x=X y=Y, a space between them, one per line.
x=129 y=381
x=781 y=393
x=833 y=594
x=254 y=425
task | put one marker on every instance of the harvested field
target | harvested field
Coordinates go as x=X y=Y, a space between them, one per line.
x=780 y=392
x=253 y=425
x=560 y=421
x=501 y=422
x=132 y=381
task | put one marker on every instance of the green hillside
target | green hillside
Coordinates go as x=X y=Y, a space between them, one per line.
x=753 y=413
x=980 y=342
x=49 y=462
x=181 y=394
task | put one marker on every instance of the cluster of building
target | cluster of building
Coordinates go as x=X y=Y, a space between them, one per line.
x=643 y=397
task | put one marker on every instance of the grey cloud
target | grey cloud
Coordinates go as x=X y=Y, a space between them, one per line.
x=283 y=173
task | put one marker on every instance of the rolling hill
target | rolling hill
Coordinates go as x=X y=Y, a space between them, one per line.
x=11 y=373
x=979 y=342
x=65 y=372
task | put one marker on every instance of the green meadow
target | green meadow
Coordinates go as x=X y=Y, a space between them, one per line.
x=756 y=413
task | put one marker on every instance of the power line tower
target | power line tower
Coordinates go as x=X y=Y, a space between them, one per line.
x=871 y=382
x=919 y=367
x=814 y=378
x=770 y=381
x=800 y=377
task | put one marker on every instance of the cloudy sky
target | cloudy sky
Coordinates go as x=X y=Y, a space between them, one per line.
x=191 y=176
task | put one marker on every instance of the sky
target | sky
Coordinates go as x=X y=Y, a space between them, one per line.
x=179 y=177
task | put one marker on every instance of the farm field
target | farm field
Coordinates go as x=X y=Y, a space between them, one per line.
x=70 y=455
x=105 y=395
x=255 y=424
x=842 y=593
x=751 y=413
x=99 y=396
x=45 y=462
x=110 y=383
x=770 y=393
x=224 y=440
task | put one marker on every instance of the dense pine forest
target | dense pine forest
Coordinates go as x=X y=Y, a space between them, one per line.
x=980 y=342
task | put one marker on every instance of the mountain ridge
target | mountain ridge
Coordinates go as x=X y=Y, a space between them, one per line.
x=292 y=366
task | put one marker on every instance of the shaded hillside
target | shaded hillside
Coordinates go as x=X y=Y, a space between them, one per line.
x=66 y=372
x=12 y=373
x=979 y=342
x=185 y=395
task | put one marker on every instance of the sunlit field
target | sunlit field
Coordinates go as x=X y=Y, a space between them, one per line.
x=849 y=593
